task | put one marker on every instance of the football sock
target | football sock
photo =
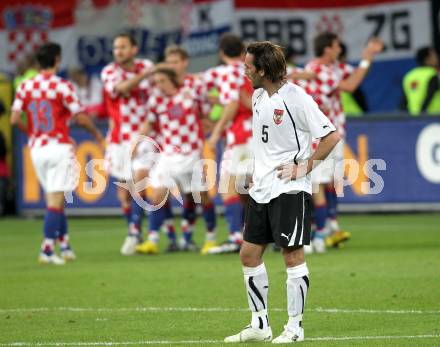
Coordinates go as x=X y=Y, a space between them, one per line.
x=169 y=223
x=297 y=287
x=52 y=225
x=210 y=220
x=155 y=223
x=188 y=219
x=128 y=216
x=320 y=218
x=332 y=203
x=233 y=214
x=257 y=287
x=135 y=223
x=63 y=236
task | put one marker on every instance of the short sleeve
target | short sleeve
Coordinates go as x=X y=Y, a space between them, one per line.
x=347 y=70
x=110 y=78
x=18 y=105
x=71 y=99
x=313 y=119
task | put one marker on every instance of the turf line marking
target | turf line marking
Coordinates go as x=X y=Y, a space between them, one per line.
x=165 y=342
x=206 y=309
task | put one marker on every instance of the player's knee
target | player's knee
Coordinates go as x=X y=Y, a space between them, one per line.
x=293 y=256
x=249 y=258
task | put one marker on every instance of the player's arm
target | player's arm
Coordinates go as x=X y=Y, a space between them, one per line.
x=229 y=112
x=293 y=171
x=84 y=121
x=305 y=75
x=351 y=83
x=17 y=121
x=125 y=87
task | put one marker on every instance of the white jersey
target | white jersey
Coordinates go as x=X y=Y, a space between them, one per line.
x=283 y=126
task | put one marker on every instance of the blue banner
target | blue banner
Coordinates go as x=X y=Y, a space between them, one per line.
x=398 y=161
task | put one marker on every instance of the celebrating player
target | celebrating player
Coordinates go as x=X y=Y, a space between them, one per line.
x=230 y=81
x=50 y=103
x=174 y=110
x=284 y=121
x=126 y=92
x=332 y=77
x=176 y=57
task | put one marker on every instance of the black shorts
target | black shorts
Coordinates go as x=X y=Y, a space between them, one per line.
x=285 y=220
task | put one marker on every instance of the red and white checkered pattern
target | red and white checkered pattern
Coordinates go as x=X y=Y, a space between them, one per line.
x=63 y=101
x=178 y=121
x=229 y=80
x=324 y=89
x=127 y=113
x=24 y=42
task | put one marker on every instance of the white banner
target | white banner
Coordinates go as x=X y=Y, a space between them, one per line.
x=404 y=26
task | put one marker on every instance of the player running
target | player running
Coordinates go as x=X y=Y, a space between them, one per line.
x=230 y=81
x=332 y=77
x=50 y=103
x=174 y=109
x=284 y=121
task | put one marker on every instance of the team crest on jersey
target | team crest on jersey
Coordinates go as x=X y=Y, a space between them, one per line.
x=278 y=116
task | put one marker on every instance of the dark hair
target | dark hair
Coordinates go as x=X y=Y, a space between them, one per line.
x=231 y=45
x=170 y=73
x=422 y=54
x=343 y=50
x=175 y=49
x=269 y=58
x=322 y=41
x=47 y=54
x=128 y=36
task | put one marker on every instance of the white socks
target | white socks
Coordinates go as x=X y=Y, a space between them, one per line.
x=297 y=287
x=257 y=286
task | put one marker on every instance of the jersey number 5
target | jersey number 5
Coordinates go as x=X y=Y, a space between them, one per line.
x=265 y=134
x=41 y=112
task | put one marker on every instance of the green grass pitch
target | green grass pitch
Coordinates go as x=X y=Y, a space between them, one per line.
x=382 y=289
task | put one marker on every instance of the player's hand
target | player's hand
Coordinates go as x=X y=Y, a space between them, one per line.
x=291 y=171
x=374 y=46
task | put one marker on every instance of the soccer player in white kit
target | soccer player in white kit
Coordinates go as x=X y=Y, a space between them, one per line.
x=50 y=104
x=284 y=121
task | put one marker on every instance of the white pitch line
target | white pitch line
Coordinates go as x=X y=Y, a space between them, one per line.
x=190 y=342
x=206 y=309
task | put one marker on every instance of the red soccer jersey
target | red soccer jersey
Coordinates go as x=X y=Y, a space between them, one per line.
x=177 y=120
x=127 y=113
x=324 y=89
x=48 y=101
x=229 y=80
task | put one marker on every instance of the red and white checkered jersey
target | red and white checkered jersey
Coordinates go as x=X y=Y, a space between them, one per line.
x=127 y=112
x=177 y=120
x=324 y=89
x=230 y=80
x=49 y=102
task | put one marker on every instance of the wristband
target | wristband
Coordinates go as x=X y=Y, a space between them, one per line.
x=364 y=64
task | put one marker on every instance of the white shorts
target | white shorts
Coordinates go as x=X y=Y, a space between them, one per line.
x=185 y=172
x=331 y=169
x=120 y=164
x=56 y=167
x=237 y=160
